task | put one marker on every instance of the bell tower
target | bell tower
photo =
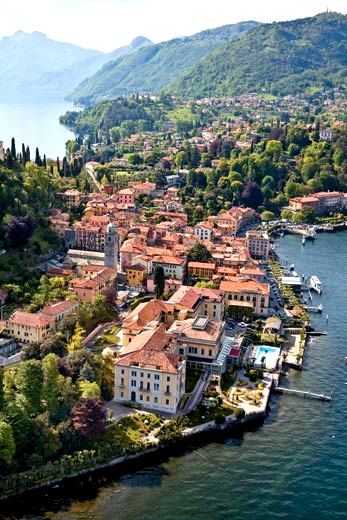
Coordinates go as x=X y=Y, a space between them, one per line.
x=111 y=247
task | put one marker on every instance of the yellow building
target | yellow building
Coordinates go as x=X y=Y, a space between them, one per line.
x=199 y=339
x=27 y=327
x=201 y=270
x=247 y=292
x=136 y=275
x=149 y=373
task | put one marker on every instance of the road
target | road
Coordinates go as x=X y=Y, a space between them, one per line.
x=197 y=393
x=97 y=332
x=91 y=172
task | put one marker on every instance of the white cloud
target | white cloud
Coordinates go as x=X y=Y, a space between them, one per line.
x=107 y=24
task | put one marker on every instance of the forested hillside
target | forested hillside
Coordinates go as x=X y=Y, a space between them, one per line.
x=154 y=67
x=280 y=58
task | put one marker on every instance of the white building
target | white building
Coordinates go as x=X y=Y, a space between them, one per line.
x=203 y=231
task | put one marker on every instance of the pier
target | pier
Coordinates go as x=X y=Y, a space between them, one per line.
x=303 y=393
x=310 y=308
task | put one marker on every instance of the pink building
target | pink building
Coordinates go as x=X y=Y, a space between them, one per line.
x=126 y=196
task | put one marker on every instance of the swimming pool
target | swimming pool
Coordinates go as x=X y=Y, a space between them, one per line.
x=271 y=355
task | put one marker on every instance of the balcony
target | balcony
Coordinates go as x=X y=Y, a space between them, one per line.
x=143 y=389
x=121 y=386
x=167 y=393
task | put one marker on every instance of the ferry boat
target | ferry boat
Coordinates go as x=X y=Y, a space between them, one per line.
x=310 y=234
x=315 y=284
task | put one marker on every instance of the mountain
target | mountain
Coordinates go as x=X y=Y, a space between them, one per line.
x=152 y=68
x=32 y=63
x=278 y=58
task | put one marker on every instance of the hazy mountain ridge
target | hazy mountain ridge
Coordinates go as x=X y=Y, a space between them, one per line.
x=278 y=58
x=34 y=63
x=152 y=68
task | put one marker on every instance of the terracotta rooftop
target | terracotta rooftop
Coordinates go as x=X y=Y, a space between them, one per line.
x=186 y=297
x=54 y=309
x=143 y=314
x=201 y=265
x=186 y=330
x=240 y=285
x=30 y=319
x=153 y=349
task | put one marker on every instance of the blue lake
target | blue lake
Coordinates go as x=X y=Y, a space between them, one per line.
x=35 y=123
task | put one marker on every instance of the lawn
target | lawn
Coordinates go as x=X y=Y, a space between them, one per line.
x=131 y=429
x=201 y=416
x=110 y=337
x=181 y=114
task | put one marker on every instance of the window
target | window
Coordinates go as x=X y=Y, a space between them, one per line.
x=156 y=399
x=202 y=351
x=210 y=352
x=122 y=394
x=133 y=382
x=148 y=376
x=148 y=386
x=147 y=398
x=133 y=373
x=167 y=402
x=122 y=381
x=181 y=351
x=156 y=387
x=141 y=397
x=157 y=377
x=167 y=389
x=122 y=371
x=193 y=350
x=168 y=378
x=141 y=375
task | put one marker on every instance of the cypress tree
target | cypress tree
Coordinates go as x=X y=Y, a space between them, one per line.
x=27 y=154
x=58 y=165
x=9 y=159
x=38 y=159
x=44 y=161
x=24 y=155
x=13 y=148
x=66 y=168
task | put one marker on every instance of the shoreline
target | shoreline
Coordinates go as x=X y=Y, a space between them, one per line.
x=197 y=436
x=186 y=440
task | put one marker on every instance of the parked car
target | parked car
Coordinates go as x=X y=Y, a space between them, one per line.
x=243 y=324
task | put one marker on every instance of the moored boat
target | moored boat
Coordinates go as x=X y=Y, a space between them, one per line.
x=315 y=284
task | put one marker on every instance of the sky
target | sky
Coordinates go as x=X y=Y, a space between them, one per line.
x=108 y=24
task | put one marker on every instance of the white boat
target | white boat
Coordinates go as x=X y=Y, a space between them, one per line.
x=315 y=284
x=303 y=241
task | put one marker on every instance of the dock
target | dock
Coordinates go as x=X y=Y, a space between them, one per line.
x=303 y=393
x=310 y=308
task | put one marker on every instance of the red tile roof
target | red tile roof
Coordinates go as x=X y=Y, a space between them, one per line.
x=30 y=319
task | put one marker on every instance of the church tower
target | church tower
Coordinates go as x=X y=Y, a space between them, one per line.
x=111 y=247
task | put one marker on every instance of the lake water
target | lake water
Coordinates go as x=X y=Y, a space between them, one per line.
x=35 y=123
x=293 y=467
